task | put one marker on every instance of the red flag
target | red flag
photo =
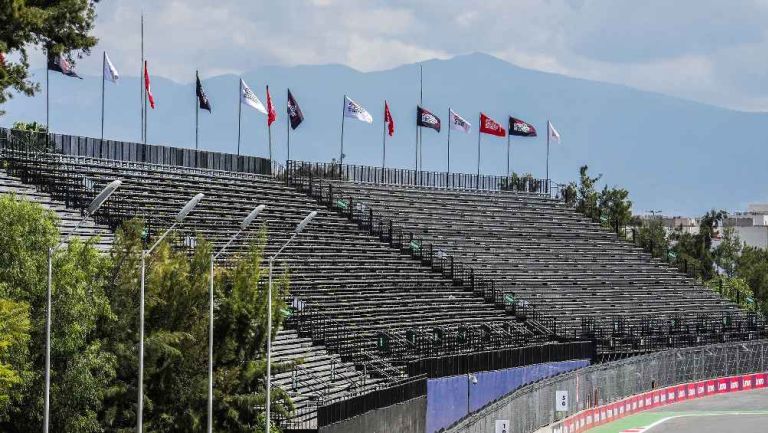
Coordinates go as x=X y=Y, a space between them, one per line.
x=490 y=126
x=146 y=86
x=388 y=119
x=271 y=113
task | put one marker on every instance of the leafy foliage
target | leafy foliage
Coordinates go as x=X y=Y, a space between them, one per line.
x=587 y=197
x=95 y=334
x=60 y=26
x=615 y=208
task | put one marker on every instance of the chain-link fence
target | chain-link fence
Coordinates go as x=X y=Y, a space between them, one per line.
x=533 y=407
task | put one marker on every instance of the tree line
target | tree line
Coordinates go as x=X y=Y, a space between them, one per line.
x=94 y=357
x=733 y=269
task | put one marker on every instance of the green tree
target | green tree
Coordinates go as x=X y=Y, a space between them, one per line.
x=14 y=352
x=80 y=368
x=60 y=26
x=726 y=255
x=734 y=289
x=587 y=196
x=615 y=208
x=652 y=237
x=752 y=267
x=176 y=325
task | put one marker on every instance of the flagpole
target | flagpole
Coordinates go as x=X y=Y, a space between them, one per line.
x=103 y=65
x=288 y=128
x=417 y=142
x=197 y=115
x=449 y=141
x=341 y=151
x=142 y=98
x=239 y=112
x=548 y=133
x=47 y=93
x=145 y=102
x=421 y=102
x=508 y=145
x=384 y=138
x=269 y=129
x=478 y=153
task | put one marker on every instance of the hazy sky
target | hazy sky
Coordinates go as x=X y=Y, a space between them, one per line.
x=705 y=50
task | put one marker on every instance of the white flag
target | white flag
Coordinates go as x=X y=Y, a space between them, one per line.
x=110 y=72
x=458 y=123
x=356 y=111
x=553 y=134
x=250 y=99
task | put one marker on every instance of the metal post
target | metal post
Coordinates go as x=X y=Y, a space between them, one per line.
x=210 y=349
x=269 y=345
x=140 y=402
x=197 y=115
x=239 y=113
x=341 y=150
x=46 y=411
x=103 y=65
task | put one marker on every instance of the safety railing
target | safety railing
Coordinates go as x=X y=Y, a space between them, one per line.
x=406 y=177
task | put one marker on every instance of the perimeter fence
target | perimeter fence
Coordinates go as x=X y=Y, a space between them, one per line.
x=533 y=406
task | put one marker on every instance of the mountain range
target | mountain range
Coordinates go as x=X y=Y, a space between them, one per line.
x=674 y=155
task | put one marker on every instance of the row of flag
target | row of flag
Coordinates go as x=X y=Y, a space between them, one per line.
x=424 y=117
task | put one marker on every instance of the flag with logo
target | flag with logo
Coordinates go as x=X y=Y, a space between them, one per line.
x=60 y=63
x=553 y=134
x=202 y=98
x=458 y=123
x=491 y=127
x=426 y=119
x=147 y=87
x=250 y=99
x=356 y=111
x=271 y=112
x=110 y=72
x=294 y=111
x=520 y=128
x=388 y=120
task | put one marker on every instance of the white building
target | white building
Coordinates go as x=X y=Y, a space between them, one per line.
x=752 y=225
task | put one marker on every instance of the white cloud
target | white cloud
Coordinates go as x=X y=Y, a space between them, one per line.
x=697 y=49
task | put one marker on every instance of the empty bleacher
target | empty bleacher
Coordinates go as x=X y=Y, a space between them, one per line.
x=536 y=250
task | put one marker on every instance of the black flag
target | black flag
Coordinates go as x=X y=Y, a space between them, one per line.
x=426 y=119
x=59 y=63
x=205 y=104
x=520 y=128
x=294 y=111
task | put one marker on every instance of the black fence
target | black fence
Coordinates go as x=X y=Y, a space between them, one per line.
x=344 y=409
x=499 y=359
x=405 y=177
x=133 y=152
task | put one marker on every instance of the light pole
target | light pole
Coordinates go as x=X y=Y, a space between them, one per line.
x=246 y=222
x=92 y=208
x=298 y=230
x=178 y=220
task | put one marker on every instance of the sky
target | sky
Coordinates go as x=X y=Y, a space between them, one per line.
x=709 y=51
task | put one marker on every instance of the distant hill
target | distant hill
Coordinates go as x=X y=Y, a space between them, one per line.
x=678 y=156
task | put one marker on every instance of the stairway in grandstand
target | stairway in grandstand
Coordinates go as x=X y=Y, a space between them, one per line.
x=542 y=253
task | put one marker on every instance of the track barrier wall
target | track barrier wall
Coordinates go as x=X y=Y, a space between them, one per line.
x=452 y=398
x=604 y=414
x=533 y=407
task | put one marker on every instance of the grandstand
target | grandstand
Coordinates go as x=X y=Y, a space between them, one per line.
x=395 y=268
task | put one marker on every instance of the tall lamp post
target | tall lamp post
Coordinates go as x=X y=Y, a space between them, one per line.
x=92 y=208
x=298 y=230
x=244 y=225
x=178 y=220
